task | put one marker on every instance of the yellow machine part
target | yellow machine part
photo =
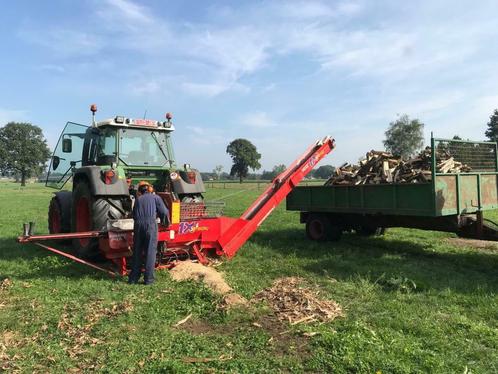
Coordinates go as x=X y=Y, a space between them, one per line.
x=175 y=212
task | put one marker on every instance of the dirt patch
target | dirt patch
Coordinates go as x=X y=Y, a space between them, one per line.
x=213 y=279
x=291 y=301
x=281 y=339
x=474 y=243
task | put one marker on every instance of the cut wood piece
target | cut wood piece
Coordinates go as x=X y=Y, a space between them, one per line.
x=382 y=167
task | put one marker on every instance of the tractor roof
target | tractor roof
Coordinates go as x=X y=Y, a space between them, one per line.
x=123 y=122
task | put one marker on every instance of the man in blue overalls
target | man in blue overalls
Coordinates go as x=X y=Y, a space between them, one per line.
x=148 y=207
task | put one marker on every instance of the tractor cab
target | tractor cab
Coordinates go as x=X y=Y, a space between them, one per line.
x=130 y=143
x=132 y=149
x=121 y=143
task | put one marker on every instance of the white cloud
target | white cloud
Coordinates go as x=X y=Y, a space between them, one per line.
x=63 y=42
x=141 y=88
x=305 y=9
x=196 y=130
x=205 y=89
x=127 y=11
x=257 y=120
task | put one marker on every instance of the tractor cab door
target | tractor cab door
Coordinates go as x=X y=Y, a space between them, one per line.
x=67 y=155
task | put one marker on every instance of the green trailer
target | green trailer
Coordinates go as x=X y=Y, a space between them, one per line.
x=452 y=202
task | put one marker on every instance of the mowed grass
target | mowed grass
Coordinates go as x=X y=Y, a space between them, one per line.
x=413 y=302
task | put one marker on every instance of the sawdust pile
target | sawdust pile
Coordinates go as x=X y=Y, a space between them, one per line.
x=296 y=304
x=187 y=270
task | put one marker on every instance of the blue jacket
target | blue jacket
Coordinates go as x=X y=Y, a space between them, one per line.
x=148 y=207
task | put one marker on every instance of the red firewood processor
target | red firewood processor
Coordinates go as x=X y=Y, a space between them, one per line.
x=108 y=159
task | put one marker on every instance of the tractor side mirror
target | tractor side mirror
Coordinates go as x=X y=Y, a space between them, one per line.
x=67 y=145
x=56 y=160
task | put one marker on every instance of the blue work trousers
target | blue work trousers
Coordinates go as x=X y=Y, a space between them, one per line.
x=144 y=250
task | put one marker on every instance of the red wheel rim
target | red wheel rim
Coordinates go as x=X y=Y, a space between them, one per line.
x=55 y=219
x=316 y=229
x=83 y=219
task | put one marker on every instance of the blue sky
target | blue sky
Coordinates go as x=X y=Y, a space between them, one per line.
x=281 y=74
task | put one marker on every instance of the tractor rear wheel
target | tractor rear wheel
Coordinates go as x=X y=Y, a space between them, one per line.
x=320 y=228
x=91 y=213
x=59 y=213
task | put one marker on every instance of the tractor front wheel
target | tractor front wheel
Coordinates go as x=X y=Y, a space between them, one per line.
x=54 y=217
x=91 y=213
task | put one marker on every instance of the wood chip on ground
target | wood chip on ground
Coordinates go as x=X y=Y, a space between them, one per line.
x=5 y=284
x=291 y=301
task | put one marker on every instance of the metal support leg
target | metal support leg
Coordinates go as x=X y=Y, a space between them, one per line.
x=479 y=224
x=200 y=256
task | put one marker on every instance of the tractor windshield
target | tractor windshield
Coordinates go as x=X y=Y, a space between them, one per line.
x=145 y=148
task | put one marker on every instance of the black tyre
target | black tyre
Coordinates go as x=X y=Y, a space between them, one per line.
x=320 y=228
x=55 y=220
x=59 y=213
x=90 y=213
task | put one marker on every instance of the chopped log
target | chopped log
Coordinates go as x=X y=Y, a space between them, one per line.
x=382 y=167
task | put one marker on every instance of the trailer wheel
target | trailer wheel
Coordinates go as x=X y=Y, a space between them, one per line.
x=91 y=213
x=319 y=228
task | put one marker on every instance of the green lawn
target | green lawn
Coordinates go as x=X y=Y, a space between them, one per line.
x=413 y=303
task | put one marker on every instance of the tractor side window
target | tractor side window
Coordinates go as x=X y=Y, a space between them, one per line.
x=67 y=154
x=106 y=147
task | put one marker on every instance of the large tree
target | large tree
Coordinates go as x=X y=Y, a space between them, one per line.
x=23 y=150
x=404 y=137
x=324 y=172
x=270 y=175
x=218 y=169
x=492 y=130
x=244 y=156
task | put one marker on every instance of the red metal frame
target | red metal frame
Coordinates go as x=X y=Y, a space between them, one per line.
x=201 y=237
x=77 y=259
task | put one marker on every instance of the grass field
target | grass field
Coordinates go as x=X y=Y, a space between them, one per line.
x=413 y=302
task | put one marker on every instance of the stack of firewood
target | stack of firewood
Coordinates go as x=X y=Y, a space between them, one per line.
x=382 y=167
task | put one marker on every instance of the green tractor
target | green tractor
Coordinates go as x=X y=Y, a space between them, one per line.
x=106 y=161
